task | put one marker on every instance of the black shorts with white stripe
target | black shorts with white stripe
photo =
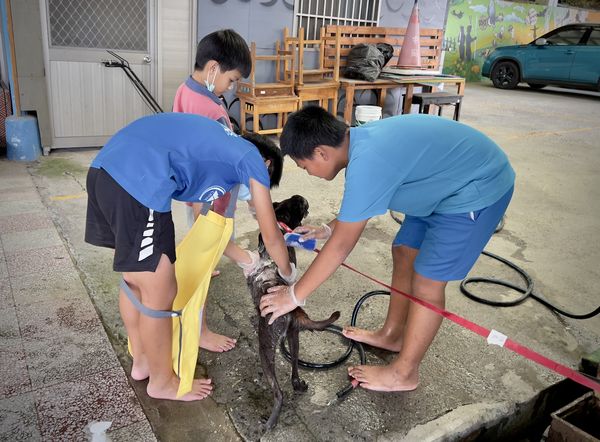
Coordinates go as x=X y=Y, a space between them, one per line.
x=115 y=219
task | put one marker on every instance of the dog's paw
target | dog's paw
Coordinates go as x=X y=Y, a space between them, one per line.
x=299 y=385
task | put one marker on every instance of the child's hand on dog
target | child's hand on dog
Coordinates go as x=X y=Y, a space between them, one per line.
x=249 y=267
x=313 y=232
x=278 y=302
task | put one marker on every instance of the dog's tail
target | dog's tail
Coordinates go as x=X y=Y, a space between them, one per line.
x=305 y=323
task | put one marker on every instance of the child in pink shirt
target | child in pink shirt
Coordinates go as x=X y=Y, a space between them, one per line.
x=222 y=58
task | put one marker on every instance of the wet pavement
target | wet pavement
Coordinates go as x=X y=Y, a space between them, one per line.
x=65 y=364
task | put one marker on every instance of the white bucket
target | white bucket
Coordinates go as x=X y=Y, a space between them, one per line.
x=364 y=114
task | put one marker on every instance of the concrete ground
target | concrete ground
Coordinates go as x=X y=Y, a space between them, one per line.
x=62 y=338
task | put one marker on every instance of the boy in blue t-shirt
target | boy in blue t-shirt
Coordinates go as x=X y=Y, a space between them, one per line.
x=453 y=184
x=131 y=183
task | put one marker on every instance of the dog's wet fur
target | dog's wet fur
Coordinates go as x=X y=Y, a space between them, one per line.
x=291 y=212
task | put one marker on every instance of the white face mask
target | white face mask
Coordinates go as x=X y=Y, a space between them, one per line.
x=211 y=85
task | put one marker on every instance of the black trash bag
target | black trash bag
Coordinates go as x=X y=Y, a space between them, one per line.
x=387 y=50
x=365 y=61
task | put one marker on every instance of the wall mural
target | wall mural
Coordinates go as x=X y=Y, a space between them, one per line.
x=475 y=27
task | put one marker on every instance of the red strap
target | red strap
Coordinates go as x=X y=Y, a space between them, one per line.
x=484 y=332
x=284 y=226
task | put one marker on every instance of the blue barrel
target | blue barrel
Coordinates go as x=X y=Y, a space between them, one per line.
x=22 y=138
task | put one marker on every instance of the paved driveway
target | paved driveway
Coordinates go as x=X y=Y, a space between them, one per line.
x=552 y=138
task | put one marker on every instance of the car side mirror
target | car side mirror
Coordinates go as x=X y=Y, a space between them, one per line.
x=541 y=42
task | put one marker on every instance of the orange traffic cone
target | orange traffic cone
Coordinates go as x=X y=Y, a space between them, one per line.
x=410 y=53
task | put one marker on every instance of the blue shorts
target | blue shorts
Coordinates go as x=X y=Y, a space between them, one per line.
x=449 y=244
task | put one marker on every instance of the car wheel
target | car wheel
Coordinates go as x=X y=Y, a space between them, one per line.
x=536 y=85
x=505 y=75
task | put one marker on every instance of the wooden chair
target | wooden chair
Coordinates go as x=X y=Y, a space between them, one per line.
x=317 y=83
x=346 y=37
x=277 y=97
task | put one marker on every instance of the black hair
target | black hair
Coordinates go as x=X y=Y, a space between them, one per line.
x=269 y=151
x=308 y=128
x=226 y=47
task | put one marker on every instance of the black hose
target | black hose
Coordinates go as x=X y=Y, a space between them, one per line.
x=338 y=330
x=361 y=301
x=352 y=345
x=323 y=365
x=327 y=365
x=526 y=292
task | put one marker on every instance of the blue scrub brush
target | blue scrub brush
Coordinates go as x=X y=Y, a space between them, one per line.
x=293 y=240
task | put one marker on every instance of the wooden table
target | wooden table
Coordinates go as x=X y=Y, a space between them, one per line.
x=429 y=81
x=390 y=81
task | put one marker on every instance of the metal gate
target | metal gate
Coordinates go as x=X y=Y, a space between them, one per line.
x=89 y=102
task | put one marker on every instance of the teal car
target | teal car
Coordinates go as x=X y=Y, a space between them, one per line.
x=568 y=56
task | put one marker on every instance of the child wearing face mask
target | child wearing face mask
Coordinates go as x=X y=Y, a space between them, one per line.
x=222 y=58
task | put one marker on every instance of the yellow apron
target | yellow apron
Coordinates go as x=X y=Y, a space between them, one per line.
x=197 y=256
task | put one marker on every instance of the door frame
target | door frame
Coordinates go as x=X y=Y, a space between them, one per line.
x=92 y=55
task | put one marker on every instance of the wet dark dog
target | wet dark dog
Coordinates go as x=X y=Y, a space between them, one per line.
x=291 y=212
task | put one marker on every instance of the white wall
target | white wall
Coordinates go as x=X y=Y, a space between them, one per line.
x=176 y=46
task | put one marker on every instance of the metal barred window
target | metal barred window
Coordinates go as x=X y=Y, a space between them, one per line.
x=314 y=14
x=106 y=24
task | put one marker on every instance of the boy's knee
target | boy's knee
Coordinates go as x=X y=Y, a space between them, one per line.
x=403 y=254
x=429 y=289
x=159 y=299
x=154 y=294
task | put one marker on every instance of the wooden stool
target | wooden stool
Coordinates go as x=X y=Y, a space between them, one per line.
x=257 y=106
x=439 y=99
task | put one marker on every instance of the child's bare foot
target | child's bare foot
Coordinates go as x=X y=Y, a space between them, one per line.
x=200 y=389
x=214 y=342
x=384 y=378
x=215 y=273
x=377 y=338
x=139 y=368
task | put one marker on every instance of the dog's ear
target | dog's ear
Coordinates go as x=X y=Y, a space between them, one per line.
x=276 y=204
x=300 y=205
x=283 y=214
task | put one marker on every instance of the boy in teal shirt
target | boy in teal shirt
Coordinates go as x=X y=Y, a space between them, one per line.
x=453 y=184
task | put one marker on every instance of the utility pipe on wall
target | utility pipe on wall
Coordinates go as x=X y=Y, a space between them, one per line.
x=7 y=27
